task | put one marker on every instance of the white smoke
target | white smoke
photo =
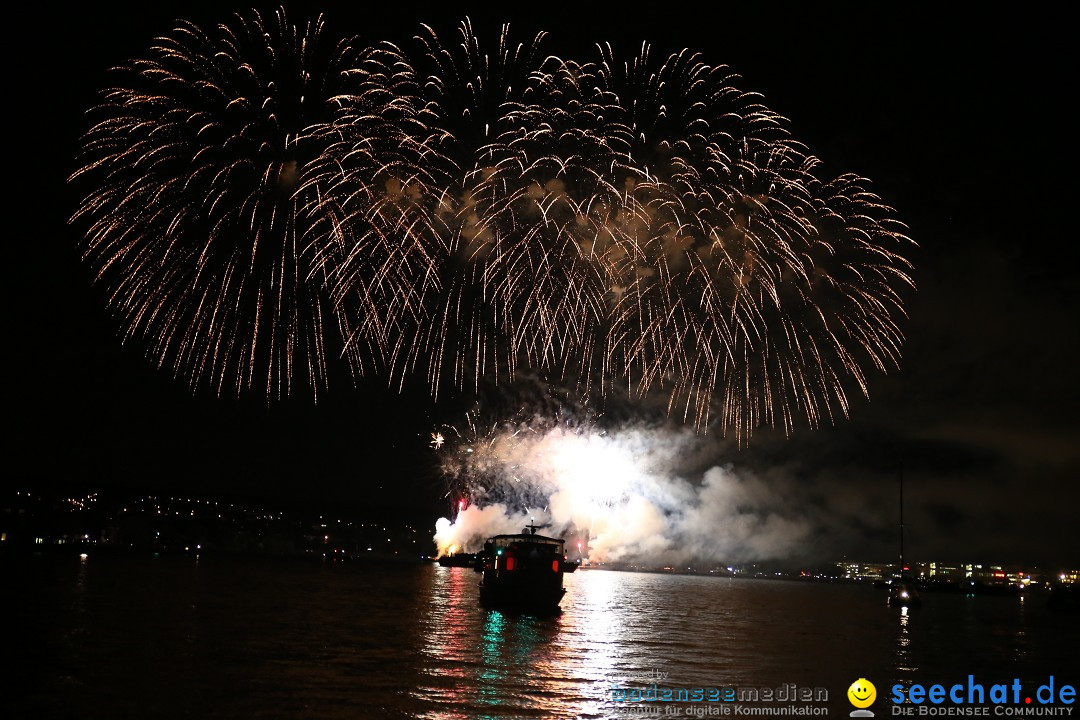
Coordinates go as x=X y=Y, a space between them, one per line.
x=476 y=524
x=629 y=495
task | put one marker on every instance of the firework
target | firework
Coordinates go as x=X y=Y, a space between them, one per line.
x=645 y=223
x=496 y=456
x=489 y=256
x=202 y=204
x=465 y=212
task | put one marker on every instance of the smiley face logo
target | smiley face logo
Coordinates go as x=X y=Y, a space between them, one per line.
x=862 y=693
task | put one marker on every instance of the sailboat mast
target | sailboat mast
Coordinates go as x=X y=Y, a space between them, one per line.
x=901 y=521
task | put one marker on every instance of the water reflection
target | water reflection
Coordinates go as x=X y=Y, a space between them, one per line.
x=904 y=662
x=445 y=636
x=1021 y=654
x=596 y=616
x=485 y=663
x=516 y=647
x=144 y=638
x=492 y=670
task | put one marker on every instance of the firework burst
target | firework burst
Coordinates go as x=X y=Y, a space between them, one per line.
x=486 y=461
x=202 y=203
x=465 y=212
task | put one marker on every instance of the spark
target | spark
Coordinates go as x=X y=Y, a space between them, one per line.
x=461 y=213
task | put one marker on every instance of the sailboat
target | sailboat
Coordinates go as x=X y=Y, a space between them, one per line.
x=902 y=593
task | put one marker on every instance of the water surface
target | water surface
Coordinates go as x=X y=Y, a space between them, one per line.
x=176 y=637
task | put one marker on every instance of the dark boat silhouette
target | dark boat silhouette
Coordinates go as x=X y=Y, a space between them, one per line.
x=467 y=560
x=902 y=592
x=523 y=571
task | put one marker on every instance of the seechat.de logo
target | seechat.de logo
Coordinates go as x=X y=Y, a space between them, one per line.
x=974 y=698
x=862 y=694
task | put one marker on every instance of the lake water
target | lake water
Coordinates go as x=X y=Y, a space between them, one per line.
x=176 y=637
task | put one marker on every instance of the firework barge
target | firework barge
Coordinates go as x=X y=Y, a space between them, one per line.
x=468 y=560
x=523 y=571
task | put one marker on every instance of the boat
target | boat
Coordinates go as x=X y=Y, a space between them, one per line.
x=523 y=571
x=902 y=593
x=466 y=560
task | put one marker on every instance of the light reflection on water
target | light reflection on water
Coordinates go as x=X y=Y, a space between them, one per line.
x=168 y=637
x=903 y=642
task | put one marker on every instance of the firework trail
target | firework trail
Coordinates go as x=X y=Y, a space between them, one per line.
x=466 y=213
x=478 y=464
x=379 y=257
x=735 y=277
x=643 y=223
x=202 y=202
x=497 y=256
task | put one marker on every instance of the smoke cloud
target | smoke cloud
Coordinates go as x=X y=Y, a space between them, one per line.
x=631 y=495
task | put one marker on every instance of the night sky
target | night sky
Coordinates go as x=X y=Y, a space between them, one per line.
x=960 y=121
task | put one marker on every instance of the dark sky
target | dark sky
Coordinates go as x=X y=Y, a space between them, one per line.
x=960 y=121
